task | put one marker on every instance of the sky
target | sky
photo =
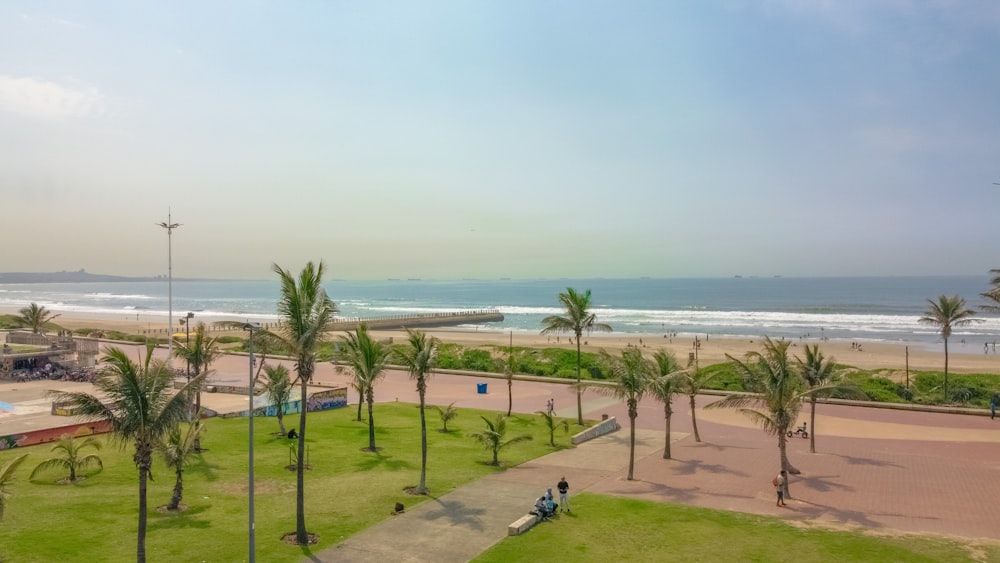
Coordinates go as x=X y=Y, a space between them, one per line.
x=521 y=139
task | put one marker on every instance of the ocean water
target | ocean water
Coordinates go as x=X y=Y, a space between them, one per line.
x=860 y=308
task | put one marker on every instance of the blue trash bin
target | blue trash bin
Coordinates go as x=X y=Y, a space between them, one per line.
x=481 y=388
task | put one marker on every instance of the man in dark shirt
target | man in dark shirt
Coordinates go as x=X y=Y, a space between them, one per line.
x=563 y=487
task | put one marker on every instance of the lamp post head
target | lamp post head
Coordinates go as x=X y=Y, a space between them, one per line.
x=251 y=326
x=190 y=315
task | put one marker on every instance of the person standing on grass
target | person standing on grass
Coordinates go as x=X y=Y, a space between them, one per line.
x=563 y=487
x=781 y=485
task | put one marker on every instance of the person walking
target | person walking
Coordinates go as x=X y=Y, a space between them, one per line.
x=993 y=405
x=563 y=487
x=781 y=486
x=550 y=407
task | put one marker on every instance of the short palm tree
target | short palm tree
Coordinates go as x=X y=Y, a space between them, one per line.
x=947 y=313
x=494 y=438
x=447 y=414
x=552 y=424
x=278 y=388
x=69 y=457
x=6 y=478
x=138 y=402
x=306 y=313
x=419 y=358
x=630 y=374
x=668 y=380
x=35 y=317
x=178 y=451
x=821 y=378
x=694 y=381
x=577 y=320
x=199 y=353
x=367 y=359
x=775 y=389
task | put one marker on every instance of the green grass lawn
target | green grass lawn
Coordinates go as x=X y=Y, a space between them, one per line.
x=347 y=489
x=602 y=528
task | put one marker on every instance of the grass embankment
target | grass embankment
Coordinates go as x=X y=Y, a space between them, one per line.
x=347 y=489
x=602 y=528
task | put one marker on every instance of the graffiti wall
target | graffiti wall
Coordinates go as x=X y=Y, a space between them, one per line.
x=319 y=401
x=52 y=434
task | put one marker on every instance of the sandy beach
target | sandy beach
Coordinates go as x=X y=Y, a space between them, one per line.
x=873 y=355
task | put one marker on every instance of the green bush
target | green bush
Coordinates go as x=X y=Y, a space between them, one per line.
x=228 y=339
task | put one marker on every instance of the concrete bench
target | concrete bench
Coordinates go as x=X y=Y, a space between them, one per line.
x=522 y=524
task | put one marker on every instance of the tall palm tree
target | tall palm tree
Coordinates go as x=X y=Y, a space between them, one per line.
x=821 y=378
x=775 y=390
x=6 y=478
x=694 y=381
x=306 y=312
x=278 y=388
x=419 y=358
x=68 y=457
x=138 y=402
x=35 y=317
x=577 y=320
x=368 y=359
x=494 y=438
x=630 y=374
x=947 y=313
x=199 y=353
x=667 y=381
x=177 y=451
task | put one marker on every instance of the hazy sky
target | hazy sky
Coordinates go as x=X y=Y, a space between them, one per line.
x=515 y=139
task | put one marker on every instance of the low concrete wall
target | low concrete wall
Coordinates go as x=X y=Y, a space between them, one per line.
x=600 y=429
x=52 y=434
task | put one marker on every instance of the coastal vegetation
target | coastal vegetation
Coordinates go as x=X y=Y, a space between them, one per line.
x=367 y=359
x=668 y=380
x=349 y=491
x=947 y=313
x=630 y=381
x=419 y=358
x=36 y=317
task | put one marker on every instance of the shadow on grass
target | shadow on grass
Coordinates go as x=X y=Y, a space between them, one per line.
x=179 y=520
x=373 y=460
x=202 y=467
x=309 y=555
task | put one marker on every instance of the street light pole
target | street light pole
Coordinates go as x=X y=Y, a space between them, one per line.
x=170 y=226
x=251 y=326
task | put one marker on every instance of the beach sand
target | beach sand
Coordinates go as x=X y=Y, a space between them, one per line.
x=964 y=358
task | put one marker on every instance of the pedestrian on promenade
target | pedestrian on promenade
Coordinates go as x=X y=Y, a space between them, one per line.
x=780 y=483
x=993 y=405
x=550 y=407
x=563 y=487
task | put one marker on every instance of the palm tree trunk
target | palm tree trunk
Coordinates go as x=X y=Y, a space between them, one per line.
x=140 y=554
x=785 y=464
x=510 y=394
x=197 y=416
x=631 y=442
x=175 y=500
x=694 y=419
x=281 y=420
x=812 y=423
x=361 y=401
x=667 y=412
x=579 y=391
x=301 y=535
x=422 y=487
x=371 y=421
x=947 y=398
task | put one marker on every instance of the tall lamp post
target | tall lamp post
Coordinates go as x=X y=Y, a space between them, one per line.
x=170 y=226
x=251 y=326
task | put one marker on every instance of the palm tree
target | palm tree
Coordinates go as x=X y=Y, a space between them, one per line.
x=368 y=359
x=578 y=319
x=6 y=478
x=947 y=313
x=177 y=451
x=776 y=391
x=552 y=424
x=419 y=358
x=70 y=458
x=447 y=414
x=821 y=378
x=694 y=381
x=36 y=316
x=137 y=401
x=278 y=388
x=630 y=375
x=493 y=439
x=993 y=294
x=306 y=312
x=199 y=353
x=667 y=381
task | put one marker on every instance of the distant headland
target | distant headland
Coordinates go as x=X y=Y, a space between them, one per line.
x=79 y=276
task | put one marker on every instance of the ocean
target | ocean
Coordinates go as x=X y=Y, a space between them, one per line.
x=848 y=308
